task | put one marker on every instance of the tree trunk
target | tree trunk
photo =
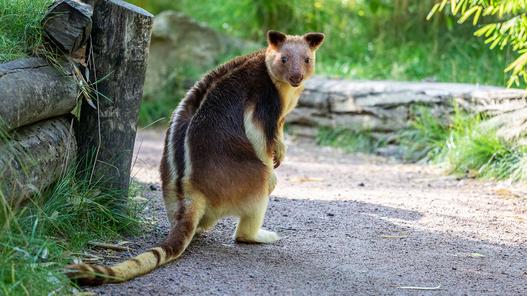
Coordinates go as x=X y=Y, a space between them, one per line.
x=120 y=41
x=32 y=90
x=35 y=157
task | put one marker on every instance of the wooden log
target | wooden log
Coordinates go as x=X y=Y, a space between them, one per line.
x=67 y=24
x=35 y=157
x=32 y=90
x=120 y=37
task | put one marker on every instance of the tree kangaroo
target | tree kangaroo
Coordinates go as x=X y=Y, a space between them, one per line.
x=224 y=140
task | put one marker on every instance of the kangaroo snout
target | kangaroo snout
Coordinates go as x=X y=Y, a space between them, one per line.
x=296 y=79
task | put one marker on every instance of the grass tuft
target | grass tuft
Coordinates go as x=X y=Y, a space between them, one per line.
x=426 y=136
x=349 y=140
x=51 y=230
x=20 y=28
x=464 y=146
x=477 y=152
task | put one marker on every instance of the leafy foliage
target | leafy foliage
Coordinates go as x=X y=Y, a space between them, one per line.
x=374 y=39
x=505 y=25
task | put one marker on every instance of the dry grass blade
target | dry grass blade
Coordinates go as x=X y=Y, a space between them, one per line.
x=419 y=288
x=394 y=236
x=476 y=255
x=303 y=179
x=115 y=247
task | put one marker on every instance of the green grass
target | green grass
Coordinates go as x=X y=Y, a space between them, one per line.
x=464 y=146
x=426 y=136
x=476 y=151
x=157 y=111
x=461 y=144
x=349 y=140
x=20 y=29
x=53 y=228
x=38 y=240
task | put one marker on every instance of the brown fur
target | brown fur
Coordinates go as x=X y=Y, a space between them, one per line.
x=220 y=148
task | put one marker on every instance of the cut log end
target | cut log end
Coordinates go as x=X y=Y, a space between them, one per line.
x=67 y=25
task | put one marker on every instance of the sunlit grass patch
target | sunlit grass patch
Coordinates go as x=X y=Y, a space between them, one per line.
x=479 y=152
x=377 y=40
x=464 y=146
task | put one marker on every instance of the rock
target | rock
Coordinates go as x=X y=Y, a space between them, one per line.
x=181 y=45
x=395 y=151
x=386 y=106
x=303 y=131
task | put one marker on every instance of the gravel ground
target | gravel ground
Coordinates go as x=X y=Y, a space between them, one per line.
x=351 y=225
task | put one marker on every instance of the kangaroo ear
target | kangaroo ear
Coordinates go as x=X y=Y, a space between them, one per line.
x=276 y=39
x=314 y=40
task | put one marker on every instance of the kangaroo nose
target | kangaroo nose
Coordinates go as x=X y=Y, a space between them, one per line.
x=296 y=78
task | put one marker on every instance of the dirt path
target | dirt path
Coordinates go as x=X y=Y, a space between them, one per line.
x=351 y=225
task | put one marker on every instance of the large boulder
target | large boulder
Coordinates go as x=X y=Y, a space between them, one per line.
x=181 y=46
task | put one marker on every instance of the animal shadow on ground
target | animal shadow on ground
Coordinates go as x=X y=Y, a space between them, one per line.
x=339 y=247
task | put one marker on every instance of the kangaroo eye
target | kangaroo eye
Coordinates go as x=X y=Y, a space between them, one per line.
x=284 y=60
x=307 y=60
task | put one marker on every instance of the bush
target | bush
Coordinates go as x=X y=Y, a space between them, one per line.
x=505 y=26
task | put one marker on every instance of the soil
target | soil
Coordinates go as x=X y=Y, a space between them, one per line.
x=350 y=225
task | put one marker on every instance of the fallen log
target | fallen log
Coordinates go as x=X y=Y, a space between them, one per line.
x=35 y=156
x=32 y=90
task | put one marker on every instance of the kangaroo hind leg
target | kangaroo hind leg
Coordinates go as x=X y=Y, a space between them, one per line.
x=249 y=229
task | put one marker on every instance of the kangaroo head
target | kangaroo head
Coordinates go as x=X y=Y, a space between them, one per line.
x=291 y=58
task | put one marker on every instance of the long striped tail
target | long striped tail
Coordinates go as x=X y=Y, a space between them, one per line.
x=175 y=244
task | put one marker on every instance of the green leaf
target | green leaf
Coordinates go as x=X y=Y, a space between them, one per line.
x=443 y=4
x=476 y=17
x=453 y=7
x=432 y=11
x=483 y=30
x=467 y=14
x=496 y=42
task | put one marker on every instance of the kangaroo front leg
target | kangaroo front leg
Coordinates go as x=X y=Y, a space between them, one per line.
x=272 y=182
x=249 y=228
x=279 y=146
